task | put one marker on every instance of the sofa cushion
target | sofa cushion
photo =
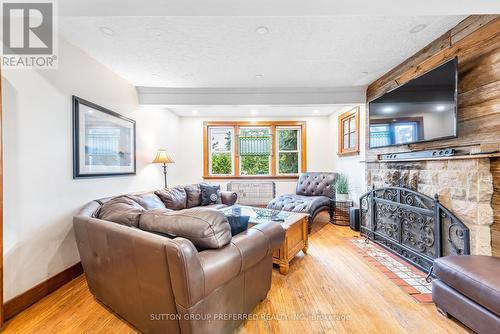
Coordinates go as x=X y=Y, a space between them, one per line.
x=210 y=194
x=316 y=184
x=174 y=198
x=475 y=276
x=121 y=210
x=205 y=228
x=148 y=200
x=193 y=193
x=299 y=203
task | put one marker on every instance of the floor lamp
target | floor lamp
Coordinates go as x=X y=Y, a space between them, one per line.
x=163 y=158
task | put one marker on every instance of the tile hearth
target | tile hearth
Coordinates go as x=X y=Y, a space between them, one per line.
x=406 y=276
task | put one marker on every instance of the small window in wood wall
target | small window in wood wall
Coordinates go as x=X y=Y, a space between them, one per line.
x=349 y=132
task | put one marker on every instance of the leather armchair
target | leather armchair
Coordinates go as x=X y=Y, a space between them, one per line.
x=163 y=285
x=314 y=193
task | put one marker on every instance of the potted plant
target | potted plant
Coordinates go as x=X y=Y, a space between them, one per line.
x=342 y=188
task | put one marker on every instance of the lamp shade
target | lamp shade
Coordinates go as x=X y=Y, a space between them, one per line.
x=163 y=157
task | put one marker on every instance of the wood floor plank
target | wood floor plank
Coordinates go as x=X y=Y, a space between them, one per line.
x=332 y=289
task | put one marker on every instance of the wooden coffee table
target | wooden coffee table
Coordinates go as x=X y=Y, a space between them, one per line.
x=295 y=225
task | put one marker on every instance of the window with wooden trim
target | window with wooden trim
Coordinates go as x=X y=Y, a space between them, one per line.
x=266 y=149
x=348 y=128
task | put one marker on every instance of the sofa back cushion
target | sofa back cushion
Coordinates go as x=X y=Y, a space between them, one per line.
x=193 y=194
x=174 y=198
x=205 y=228
x=316 y=184
x=148 y=200
x=121 y=210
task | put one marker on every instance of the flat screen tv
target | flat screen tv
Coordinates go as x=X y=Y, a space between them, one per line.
x=423 y=109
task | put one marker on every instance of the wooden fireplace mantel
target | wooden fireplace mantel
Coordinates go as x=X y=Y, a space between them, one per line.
x=457 y=157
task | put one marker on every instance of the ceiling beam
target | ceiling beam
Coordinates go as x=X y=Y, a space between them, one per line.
x=250 y=96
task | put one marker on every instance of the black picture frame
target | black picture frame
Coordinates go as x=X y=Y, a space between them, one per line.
x=77 y=102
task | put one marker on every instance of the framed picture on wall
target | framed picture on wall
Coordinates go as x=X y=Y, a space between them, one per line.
x=103 y=141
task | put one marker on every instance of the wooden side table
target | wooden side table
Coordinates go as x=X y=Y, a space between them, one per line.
x=341 y=215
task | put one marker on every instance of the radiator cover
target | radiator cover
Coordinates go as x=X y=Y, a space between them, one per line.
x=253 y=193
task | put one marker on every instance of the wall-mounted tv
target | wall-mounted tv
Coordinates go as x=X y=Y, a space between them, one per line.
x=423 y=109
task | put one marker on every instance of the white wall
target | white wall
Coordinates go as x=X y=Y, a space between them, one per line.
x=319 y=150
x=352 y=166
x=40 y=196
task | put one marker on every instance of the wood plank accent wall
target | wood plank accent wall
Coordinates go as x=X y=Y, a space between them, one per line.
x=476 y=43
x=495 y=202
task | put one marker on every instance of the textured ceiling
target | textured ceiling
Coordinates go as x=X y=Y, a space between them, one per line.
x=274 y=7
x=335 y=51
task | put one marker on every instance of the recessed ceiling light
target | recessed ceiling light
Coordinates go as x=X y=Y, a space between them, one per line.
x=194 y=112
x=418 y=28
x=316 y=111
x=262 y=30
x=155 y=76
x=107 y=31
x=440 y=107
x=259 y=76
x=388 y=109
x=253 y=112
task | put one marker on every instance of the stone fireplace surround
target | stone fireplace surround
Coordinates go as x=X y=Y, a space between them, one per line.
x=464 y=186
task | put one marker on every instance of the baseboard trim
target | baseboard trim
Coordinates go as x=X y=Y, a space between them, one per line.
x=28 y=298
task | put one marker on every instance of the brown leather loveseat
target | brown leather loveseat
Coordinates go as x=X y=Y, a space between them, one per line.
x=161 y=283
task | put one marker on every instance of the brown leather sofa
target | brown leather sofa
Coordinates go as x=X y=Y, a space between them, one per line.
x=468 y=288
x=315 y=192
x=167 y=285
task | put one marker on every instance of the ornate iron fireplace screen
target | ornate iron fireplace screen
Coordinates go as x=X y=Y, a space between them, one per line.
x=412 y=225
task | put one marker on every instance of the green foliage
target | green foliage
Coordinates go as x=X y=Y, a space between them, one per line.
x=254 y=165
x=289 y=163
x=342 y=184
x=221 y=163
x=288 y=140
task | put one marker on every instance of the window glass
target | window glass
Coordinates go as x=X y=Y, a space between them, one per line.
x=255 y=164
x=288 y=139
x=288 y=150
x=346 y=126
x=346 y=141
x=221 y=148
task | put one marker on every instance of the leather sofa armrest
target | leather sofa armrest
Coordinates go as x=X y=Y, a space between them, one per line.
x=228 y=197
x=186 y=272
x=274 y=232
x=195 y=274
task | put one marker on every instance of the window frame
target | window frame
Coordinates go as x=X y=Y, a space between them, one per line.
x=353 y=113
x=273 y=125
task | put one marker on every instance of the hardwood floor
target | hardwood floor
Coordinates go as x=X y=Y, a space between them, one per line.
x=329 y=290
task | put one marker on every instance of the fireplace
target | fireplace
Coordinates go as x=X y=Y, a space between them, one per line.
x=412 y=225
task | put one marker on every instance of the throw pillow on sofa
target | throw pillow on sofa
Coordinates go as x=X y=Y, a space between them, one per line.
x=205 y=228
x=210 y=194
x=238 y=224
x=121 y=210
x=193 y=193
x=173 y=198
